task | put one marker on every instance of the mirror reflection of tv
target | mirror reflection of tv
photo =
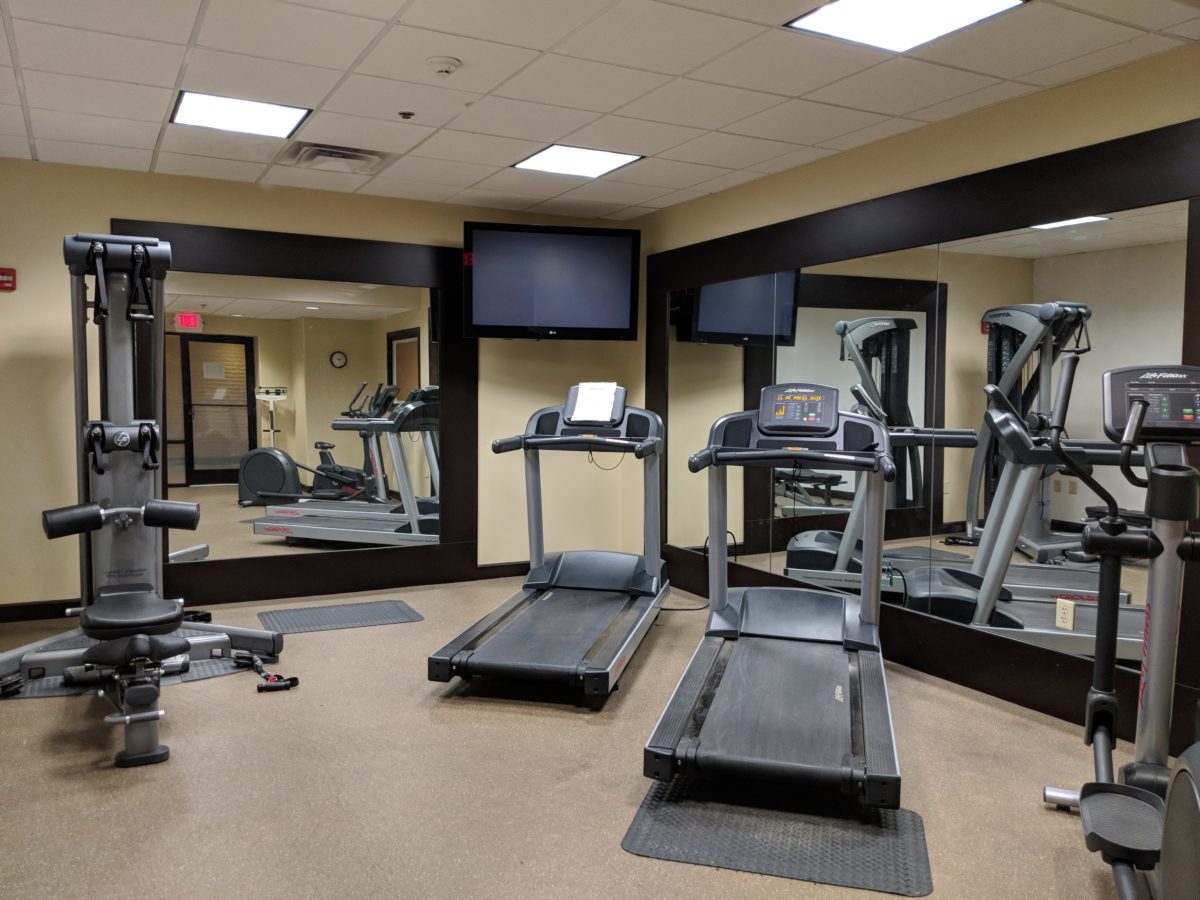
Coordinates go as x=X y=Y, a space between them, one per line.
x=537 y=281
x=759 y=311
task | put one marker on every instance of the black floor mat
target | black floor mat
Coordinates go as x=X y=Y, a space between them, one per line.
x=343 y=615
x=690 y=821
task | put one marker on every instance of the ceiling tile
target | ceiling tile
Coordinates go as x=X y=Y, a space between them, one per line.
x=631 y=212
x=1190 y=29
x=805 y=122
x=284 y=31
x=372 y=9
x=871 y=134
x=68 y=51
x=788 y=62
x=382 y=98
x=649 y=35
x=1005 y=90
x=8 y=87
x=70 y=126
x=492 y=199
x=676 y=197
x=436 y=171
x=12 y=120
x=1025 y=39
x=518 y=119
x=733 y=150
x=697 y=103
x=801 y=157
x=1099 y=60
x=224 y=144
x=93 y=155
x=579 y=83
x=765 y=12
x=5 y=57
x=365 y=134
x=666 y=173
x=542 y=185
x=251 y=78
x=408 y=190
x=900 y=86
x=312 y=178
x=606 y=191
x=207 y=167
x=1150 y=14
x=582 y=209
x=733 y=179
x=630 y=135
x=14 y=147
x=530 y=23
x=403 y=51
x=485 y=149
x=151 y=19
x=72 y=93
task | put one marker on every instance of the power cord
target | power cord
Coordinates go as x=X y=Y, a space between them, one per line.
x=592 y=459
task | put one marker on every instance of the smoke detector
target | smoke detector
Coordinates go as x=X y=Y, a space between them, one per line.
x=445 y=66
x=332 y=158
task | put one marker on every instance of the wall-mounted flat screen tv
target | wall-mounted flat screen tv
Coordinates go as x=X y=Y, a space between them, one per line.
x=534 y=281
x=759 y=311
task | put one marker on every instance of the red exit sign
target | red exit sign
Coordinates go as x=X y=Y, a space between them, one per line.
x=8 y=279
x=189 y=321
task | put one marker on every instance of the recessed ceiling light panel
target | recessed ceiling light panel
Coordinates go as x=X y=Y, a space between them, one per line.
x=563 y=160
x=242 y=116
x=1082 y=220
x=897 y=25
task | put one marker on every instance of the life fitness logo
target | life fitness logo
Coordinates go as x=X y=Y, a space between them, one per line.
x=1163 y=375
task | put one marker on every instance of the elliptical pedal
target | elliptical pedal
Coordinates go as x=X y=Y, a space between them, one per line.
x=1122 y=823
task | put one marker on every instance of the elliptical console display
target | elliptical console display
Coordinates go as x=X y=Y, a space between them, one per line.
x=1171 y=395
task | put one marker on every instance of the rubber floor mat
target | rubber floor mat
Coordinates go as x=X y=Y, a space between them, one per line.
x=343 y=615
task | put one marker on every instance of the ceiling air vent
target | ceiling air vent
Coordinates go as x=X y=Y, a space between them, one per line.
x=331 y=158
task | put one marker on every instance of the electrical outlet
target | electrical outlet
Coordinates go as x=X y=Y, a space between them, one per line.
x=1073 y=488
x=1058 y=485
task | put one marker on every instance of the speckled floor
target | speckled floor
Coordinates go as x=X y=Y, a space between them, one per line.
x=369 y=781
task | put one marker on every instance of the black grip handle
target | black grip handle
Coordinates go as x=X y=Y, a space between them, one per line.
x=888 y=467
x=171 y=514
x=72 y=520
x=700 y=461
x=504 y=445
x=1062 y=399
x=647 y=447
x=281 y=684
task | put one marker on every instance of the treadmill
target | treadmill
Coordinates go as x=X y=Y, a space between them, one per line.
x=581 y=614
x=787 y=685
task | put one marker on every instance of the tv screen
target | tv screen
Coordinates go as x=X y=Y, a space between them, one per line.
x=757 y=311
x=531 y=281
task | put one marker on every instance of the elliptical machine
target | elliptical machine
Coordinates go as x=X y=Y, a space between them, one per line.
x=1147 y=824
x=268 y=475
x=129 y=634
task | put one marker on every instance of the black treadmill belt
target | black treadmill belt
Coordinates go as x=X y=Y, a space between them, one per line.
x=781 y=705
x=691 y=820
x=553 y=634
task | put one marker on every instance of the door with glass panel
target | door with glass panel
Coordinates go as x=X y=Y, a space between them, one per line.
x=218 y=406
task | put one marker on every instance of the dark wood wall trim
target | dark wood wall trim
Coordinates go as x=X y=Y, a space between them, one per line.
x=1141 y=170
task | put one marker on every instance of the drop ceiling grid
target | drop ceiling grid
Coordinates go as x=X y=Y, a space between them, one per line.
x=757 y=97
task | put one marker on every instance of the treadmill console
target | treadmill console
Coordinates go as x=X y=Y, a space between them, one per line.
x=1171 y=392
x=798 y=409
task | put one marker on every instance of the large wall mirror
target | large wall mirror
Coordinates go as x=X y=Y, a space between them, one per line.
x=909 y=306
x=304 y=382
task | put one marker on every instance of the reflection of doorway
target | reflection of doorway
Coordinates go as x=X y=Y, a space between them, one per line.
x=404 y=360
x=210 y=407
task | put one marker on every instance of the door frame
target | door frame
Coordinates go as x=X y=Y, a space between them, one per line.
x=192 y=475
x=403 y=334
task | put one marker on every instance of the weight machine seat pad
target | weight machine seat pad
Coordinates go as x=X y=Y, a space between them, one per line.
x=125 y=650
x=134 y=612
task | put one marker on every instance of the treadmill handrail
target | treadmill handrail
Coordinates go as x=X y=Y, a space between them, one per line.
x=640 y=449
x=937 y=438
x=868 y=461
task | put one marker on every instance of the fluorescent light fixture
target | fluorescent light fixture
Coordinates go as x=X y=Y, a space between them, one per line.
x=564 y=160
x=239 y=315
x=314 y=308
x=1082 y=220
x=897 y=25
x=243 y=116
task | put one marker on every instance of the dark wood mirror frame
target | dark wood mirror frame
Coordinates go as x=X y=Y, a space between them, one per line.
x=234 y=251
x=1144 y=169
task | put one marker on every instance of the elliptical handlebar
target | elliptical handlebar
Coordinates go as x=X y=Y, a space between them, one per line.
x=1058 y=424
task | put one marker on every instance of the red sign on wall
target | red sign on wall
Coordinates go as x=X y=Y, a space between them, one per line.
x=188 y=321
x=8 y=279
